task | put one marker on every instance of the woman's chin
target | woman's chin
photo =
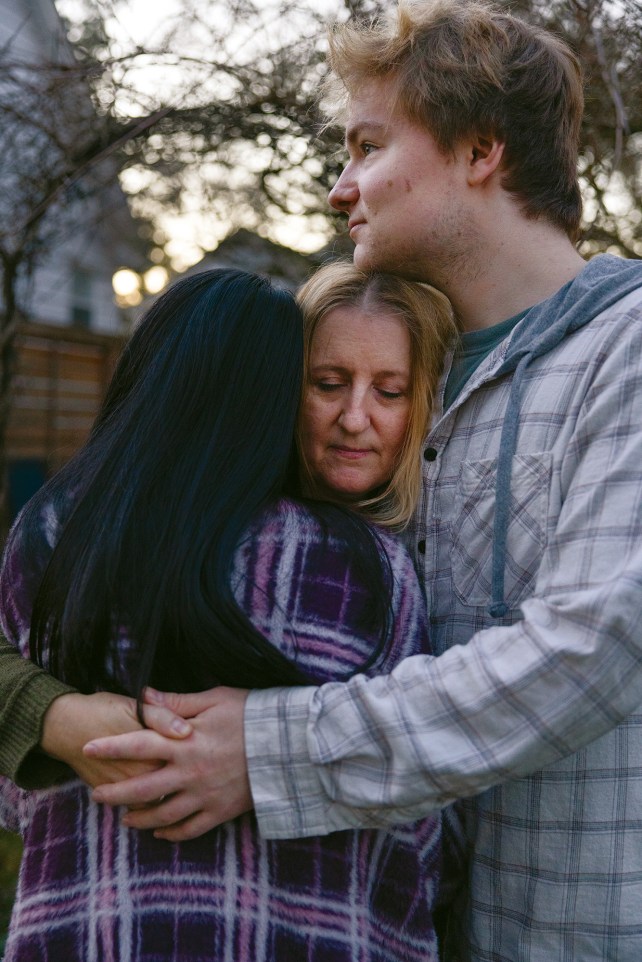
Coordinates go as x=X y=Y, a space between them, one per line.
x=350 y=491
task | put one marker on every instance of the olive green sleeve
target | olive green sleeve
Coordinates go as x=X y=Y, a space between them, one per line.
x=26 y=692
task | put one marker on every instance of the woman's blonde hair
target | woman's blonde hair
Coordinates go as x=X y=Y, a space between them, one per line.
x=428 y=317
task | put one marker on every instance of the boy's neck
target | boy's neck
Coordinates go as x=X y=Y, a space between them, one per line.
x=515 y=269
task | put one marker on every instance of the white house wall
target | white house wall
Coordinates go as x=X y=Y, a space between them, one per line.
x=50 y=293
x=35 y=33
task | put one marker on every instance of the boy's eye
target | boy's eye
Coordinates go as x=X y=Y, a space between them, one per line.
x=367 y=148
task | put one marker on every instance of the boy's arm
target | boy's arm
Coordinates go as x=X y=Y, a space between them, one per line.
x=516 y=697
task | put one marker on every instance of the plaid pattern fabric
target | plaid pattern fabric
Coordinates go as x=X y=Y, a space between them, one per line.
x=555 y=856
x=92 y=891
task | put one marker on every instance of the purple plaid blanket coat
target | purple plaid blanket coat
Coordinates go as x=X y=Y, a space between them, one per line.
x=92 y=891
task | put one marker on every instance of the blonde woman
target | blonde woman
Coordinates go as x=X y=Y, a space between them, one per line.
x=355 y=323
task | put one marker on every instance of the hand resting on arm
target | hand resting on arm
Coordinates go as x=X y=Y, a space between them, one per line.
x=203 y=781
x=73 y=719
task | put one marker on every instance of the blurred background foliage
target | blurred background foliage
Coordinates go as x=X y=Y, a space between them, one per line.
x=238 y=133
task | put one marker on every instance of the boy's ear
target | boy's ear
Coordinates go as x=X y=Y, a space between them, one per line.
x=484 y=157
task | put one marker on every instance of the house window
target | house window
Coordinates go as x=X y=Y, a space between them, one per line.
x=81 y=297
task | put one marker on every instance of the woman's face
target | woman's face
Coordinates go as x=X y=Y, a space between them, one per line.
x=356 y=402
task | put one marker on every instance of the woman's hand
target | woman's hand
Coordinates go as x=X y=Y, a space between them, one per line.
x=74 y=719
x=203 y=781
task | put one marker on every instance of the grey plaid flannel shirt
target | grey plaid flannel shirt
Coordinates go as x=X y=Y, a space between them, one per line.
x=532 y=720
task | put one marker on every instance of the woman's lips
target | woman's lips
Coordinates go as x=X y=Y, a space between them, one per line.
x=352 y=454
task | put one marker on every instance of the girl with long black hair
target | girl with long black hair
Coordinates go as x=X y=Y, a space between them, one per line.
x=175 y=550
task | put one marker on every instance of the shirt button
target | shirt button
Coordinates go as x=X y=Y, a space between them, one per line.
x=430 y=454
x=421 y=546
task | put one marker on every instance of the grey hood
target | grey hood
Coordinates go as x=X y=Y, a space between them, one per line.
x=604 y=281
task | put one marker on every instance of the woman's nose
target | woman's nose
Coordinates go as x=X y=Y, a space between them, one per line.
x=354 y=416
x=344 y=193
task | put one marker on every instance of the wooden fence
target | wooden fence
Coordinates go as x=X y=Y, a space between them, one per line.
x=60 y=379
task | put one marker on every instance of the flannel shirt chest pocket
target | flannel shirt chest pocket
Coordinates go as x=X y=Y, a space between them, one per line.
x=473 y=520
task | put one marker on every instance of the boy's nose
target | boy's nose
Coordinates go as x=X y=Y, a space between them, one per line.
x=344 y=194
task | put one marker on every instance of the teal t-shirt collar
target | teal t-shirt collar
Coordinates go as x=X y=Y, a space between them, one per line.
x=473 y=348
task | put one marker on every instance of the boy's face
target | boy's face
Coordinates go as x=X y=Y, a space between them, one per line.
x=405 y=199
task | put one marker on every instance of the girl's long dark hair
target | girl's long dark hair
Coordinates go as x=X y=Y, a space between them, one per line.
x=194 y=439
